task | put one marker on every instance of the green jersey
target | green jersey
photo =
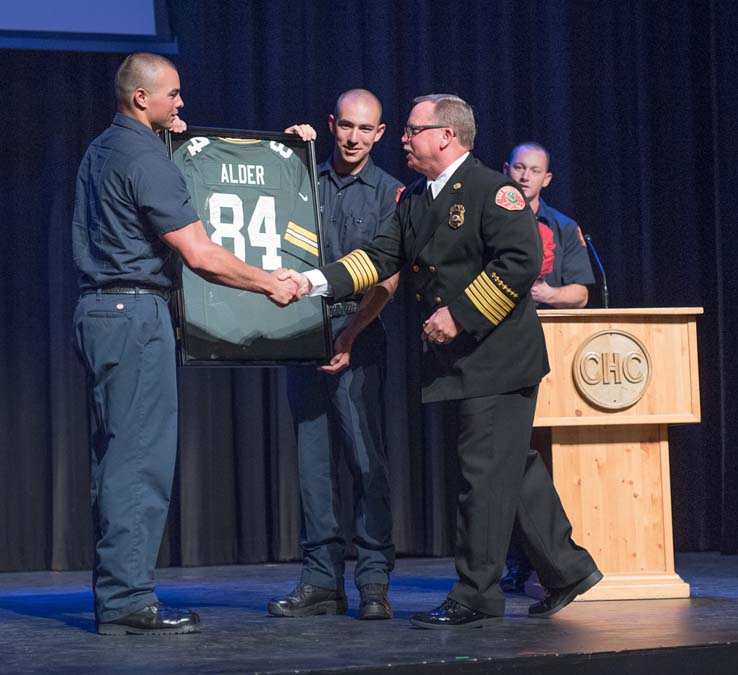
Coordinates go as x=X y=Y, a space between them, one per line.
x=255 y=199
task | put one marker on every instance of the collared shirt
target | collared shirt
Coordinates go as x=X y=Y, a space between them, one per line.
x=571 y=260
x=435 y=186
x=128 y=194
x=353 y=208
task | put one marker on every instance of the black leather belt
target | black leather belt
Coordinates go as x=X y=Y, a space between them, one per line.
x=342 y=309
x=134 y=289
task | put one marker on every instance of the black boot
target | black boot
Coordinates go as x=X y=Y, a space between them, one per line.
x=374 y=602
x=309 y=600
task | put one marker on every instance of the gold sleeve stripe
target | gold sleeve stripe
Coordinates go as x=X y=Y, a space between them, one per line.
x=497 y=296
x=302 y=238
x=361 y=281
x=302 y=232
x=491 y=315
x=503 y=285
x=494 y=306
x=360 y=275
x=305 y=246
x=493 y=294
x=502 y=303
x=362 y=270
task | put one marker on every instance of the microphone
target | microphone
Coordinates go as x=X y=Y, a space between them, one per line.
x=602 y=270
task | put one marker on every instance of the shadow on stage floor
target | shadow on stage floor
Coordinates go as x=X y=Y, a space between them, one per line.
x=46 y=625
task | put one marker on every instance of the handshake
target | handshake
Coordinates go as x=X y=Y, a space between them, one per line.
x=287 y=286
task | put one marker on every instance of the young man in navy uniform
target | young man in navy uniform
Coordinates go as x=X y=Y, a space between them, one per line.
x=132 y=217
x=564 y=286
x=341 y=403
x=475 y=252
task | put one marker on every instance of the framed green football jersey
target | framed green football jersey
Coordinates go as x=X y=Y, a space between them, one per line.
x=256 y=194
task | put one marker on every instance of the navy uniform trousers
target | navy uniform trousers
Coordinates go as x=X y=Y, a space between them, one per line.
x=127 y=345
x=334 y=413
x=503 y=481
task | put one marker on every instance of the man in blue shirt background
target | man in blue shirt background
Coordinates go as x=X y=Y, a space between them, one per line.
x=132 y=216
x=340 y=405
x=565 y=286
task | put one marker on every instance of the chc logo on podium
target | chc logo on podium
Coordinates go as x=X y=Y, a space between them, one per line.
x=612 y=369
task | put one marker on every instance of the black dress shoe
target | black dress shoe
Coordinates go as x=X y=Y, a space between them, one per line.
x=153 y=620
x=558 y=598
x=309 y=600
x=453 y=616
x=514 y=580
x=374 y=602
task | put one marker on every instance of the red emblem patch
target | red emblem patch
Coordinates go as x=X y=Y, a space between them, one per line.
x=400 y=190
x=510 y=198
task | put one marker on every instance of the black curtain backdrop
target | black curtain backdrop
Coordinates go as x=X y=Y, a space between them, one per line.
x=636 y=101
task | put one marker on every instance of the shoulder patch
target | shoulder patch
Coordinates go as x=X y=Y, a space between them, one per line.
x=509 y=198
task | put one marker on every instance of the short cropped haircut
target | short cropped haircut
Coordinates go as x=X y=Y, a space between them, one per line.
x=454 y=112
x=358 y=93
x=532 y=145
x=138 y=70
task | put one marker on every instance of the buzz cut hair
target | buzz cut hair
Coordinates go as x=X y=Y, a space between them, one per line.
x=455 y=112
x=138 y=70
x=531 y=145
x=357 y=93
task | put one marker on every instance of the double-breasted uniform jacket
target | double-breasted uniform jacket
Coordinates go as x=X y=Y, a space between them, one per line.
x=476 y=249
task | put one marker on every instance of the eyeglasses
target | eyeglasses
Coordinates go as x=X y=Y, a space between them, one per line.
x=411 y=131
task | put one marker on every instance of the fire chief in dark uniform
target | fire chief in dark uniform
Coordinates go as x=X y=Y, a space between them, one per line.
x=475 y=251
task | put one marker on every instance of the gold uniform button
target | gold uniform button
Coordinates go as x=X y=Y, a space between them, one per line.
x=418 y=297
x=438 y=299
x=416 y=268
x=432 y=269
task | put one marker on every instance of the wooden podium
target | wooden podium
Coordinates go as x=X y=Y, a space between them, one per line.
x=618 y=379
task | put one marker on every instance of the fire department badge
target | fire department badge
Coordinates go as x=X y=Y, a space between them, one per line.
x=456 y=216
x=509 y=198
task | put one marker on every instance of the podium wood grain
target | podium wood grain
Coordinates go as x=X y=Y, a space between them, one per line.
x=611 y=468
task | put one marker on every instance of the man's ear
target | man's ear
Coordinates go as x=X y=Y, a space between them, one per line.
x=506 y=168
x=447 y=137
x=332 y=123
x=141 y=98
x=547 y=179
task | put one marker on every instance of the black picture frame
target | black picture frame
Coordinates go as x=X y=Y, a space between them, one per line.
x=274 y=175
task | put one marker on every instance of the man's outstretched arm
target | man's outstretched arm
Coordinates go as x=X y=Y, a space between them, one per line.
x=218 y=265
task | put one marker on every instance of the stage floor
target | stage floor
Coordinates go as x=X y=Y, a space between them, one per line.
x=46 y=625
